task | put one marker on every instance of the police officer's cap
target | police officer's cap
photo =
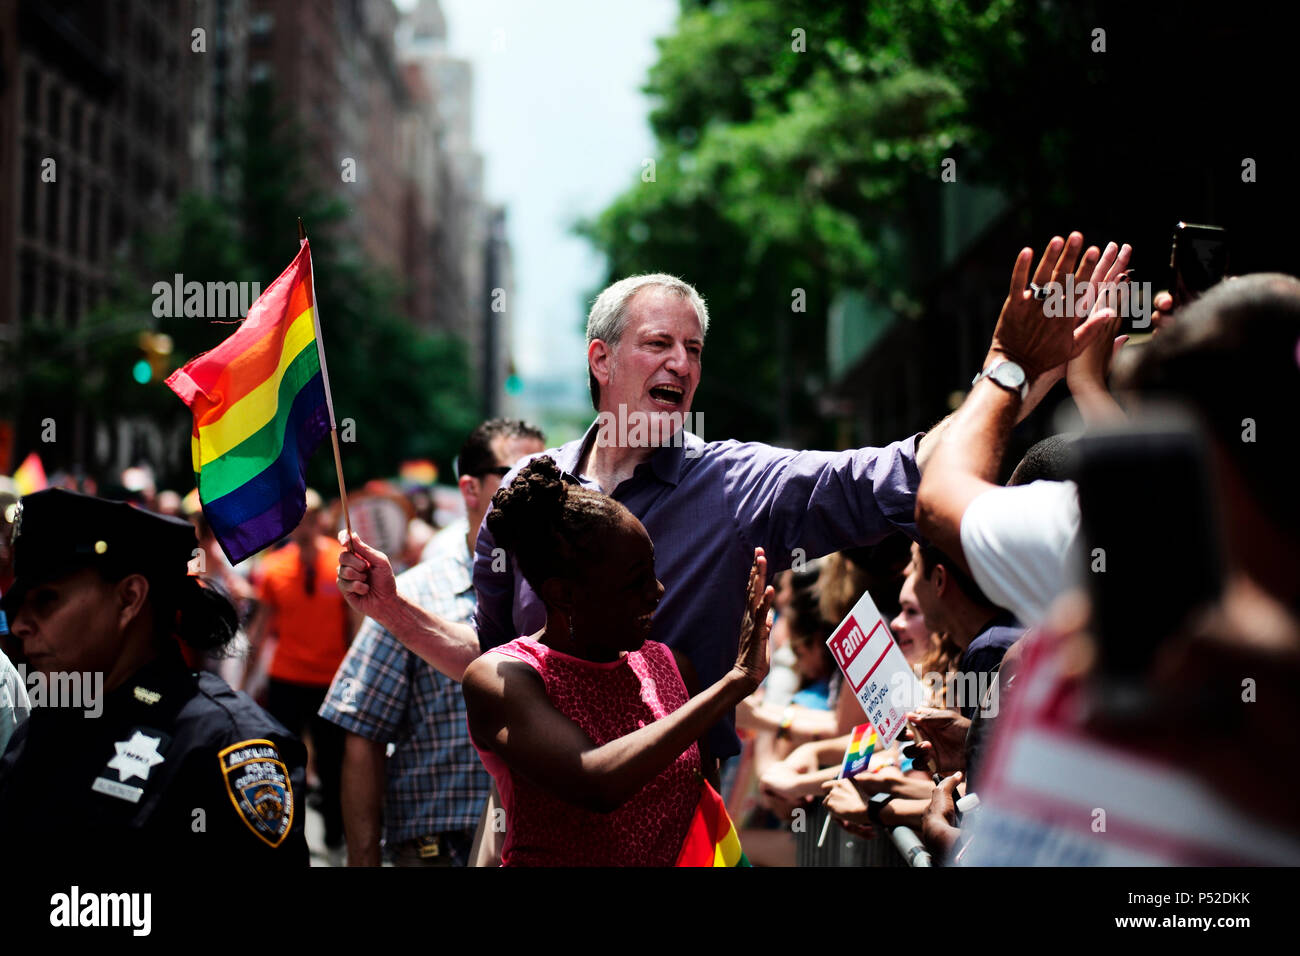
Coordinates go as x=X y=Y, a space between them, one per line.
x=59 y=532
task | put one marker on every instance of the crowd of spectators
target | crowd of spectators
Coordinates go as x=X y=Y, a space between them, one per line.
x=1086 y=659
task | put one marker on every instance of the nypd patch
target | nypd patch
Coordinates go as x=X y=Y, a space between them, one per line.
x=258 y=783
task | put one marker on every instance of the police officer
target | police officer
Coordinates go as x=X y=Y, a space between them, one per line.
x=132 y=757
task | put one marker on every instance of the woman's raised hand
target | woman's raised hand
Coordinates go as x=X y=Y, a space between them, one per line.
x=751 y=661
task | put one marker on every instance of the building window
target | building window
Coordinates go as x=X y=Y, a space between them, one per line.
x=31 y=185
x=119 y=158
x=144 y=179
x=50 y=304
x=74 y=126
x=32 y=98
x=27 y=279
x=74 y=218
x=260 y=25
x=72 y=300
x=92 y=223
x=54 y=120
x=52 y=194
x=116 y=226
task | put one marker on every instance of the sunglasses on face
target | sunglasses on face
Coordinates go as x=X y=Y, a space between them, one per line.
x=500 y=471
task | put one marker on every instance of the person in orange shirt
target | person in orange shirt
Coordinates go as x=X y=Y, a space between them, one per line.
x=302 y=606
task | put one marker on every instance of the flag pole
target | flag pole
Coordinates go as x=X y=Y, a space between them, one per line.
x=329 y=400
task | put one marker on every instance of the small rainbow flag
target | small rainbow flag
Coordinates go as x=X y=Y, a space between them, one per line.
x=858 y=753
x=421 y=472
x=30 y=475
x=260 y=409
x=711 y=839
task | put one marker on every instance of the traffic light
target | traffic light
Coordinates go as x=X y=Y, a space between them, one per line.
x=154 y=362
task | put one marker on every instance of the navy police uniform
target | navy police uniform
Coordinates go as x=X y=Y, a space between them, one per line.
x=176 y=767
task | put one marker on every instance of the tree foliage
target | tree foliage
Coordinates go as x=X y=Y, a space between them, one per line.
x=793 y=142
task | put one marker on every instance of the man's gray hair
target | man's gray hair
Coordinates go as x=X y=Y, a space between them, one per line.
x=608 y=316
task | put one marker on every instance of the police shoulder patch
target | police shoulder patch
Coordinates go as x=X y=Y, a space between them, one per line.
x=258 y=783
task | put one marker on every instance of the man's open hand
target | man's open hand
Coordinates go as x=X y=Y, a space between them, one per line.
x=1025 y=334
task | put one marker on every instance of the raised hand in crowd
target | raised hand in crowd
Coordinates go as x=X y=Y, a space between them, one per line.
x=939 y=831
x=1025 y=334
x=941 y=743
x=366 y=578
x=1086 y=373
x=752 y=659
x=1163 y=316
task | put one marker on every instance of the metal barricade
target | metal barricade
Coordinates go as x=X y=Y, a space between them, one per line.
x=844 y=849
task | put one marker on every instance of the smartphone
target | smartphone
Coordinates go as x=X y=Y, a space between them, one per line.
x=1150 y=534
x=1199 y=259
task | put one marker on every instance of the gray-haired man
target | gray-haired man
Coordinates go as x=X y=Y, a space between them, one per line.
x=705 y=505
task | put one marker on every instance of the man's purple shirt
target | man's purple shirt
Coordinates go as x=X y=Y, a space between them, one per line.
x=706 y=507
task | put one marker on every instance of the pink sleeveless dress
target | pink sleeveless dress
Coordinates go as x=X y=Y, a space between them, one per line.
x=607 y=701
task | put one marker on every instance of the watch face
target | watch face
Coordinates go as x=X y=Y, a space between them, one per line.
x=1009 y=374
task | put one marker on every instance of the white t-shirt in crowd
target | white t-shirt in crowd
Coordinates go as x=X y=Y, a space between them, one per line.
x=14 y=704
x=1022 y=545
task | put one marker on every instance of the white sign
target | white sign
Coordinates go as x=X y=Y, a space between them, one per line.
x=1051 y=795
x=876 y=669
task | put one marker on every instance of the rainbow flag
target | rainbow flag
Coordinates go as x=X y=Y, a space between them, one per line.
x=260 y=410
x=421 y=472
x=711 y=839
x=30 y=475
x=858 y=753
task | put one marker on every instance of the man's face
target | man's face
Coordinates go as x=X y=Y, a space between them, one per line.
x=508 y=449
x=926 y=594
x=478 y=490
x=654 y=368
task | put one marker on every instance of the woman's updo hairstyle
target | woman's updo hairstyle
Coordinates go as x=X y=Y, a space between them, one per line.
x=552 y=528
x=198 y=612
x=205 y=618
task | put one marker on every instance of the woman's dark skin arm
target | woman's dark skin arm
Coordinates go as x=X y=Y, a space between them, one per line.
x=510 y=714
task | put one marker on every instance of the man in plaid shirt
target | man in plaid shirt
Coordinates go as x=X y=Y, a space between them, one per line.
x=430 y=791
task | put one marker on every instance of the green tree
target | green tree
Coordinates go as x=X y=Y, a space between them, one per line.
x=793 y=141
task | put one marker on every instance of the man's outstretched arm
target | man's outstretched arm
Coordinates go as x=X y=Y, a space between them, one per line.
x=367 y=582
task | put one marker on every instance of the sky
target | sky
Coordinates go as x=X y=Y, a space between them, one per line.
x=561 y=121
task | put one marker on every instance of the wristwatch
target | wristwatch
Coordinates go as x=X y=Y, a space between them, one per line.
x=876 y=804
x=1007 y=374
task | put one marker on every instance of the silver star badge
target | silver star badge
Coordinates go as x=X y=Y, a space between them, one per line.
x=136 y=757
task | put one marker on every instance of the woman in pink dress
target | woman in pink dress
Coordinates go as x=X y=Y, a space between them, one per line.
x=587 y=726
